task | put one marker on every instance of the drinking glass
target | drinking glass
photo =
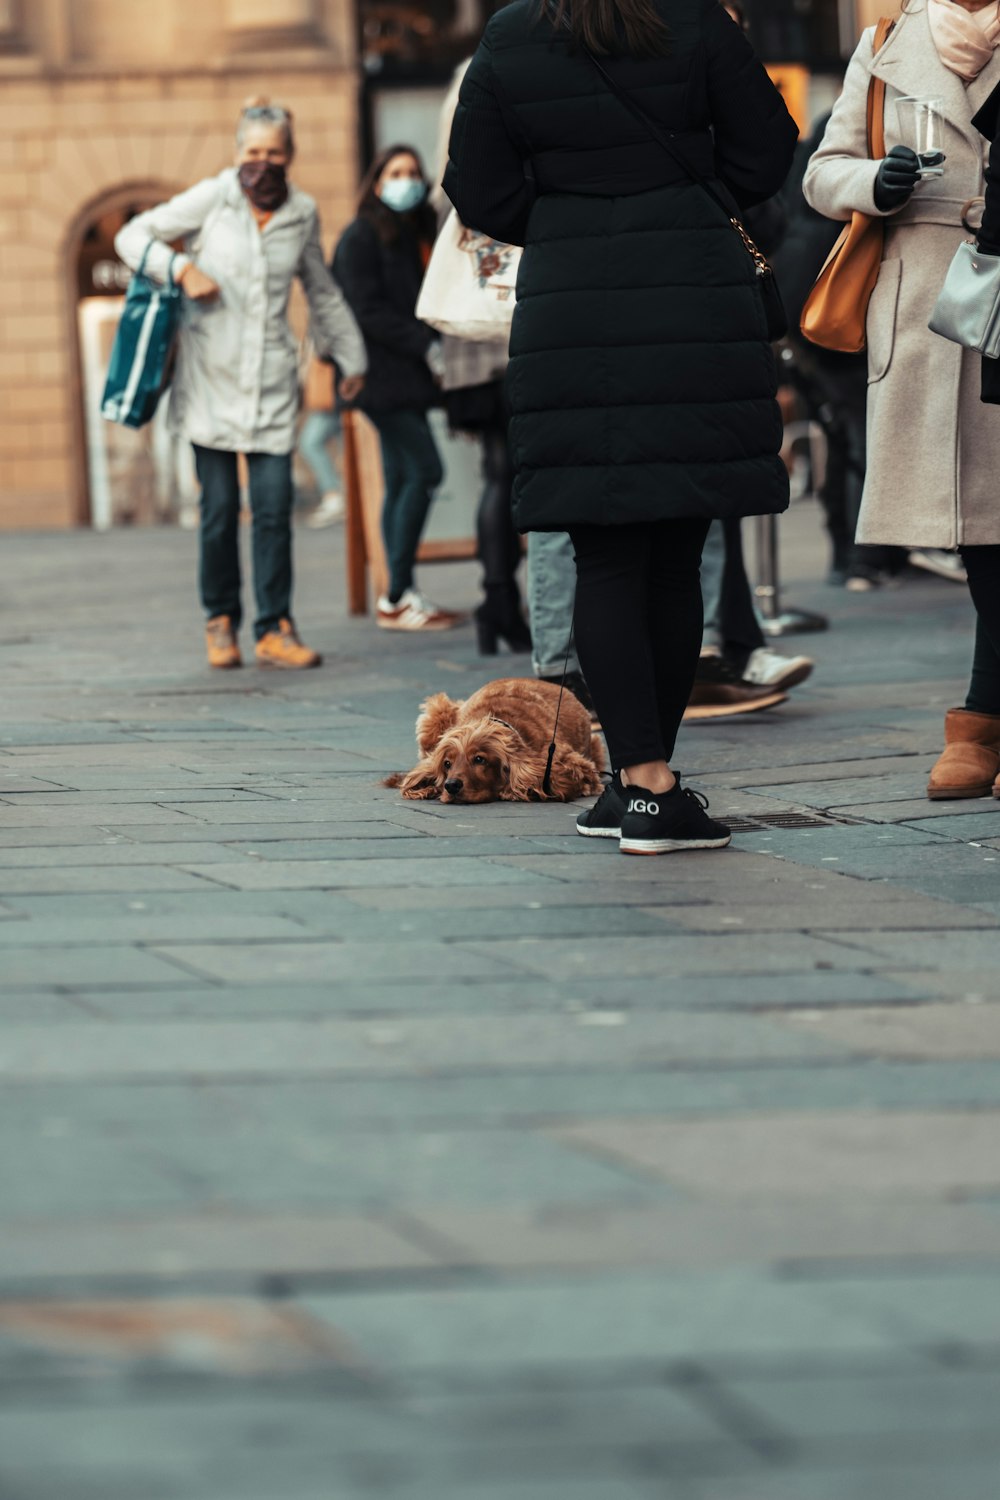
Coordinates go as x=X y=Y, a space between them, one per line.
x=921 y=123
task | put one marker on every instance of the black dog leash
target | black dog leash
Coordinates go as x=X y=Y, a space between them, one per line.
x=547 y=778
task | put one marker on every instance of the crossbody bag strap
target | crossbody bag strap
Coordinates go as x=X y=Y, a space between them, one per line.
x=660 y=136
x=663 y=140
x=876 y=95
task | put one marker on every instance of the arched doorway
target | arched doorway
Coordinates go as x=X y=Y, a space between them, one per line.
x=127 y=477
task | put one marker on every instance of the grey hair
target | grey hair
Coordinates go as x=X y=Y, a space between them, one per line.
x=263 y=112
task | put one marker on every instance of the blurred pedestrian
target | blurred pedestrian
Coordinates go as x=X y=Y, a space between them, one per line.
x=247 y=234
x=833 y=386
x=934 y=449
x=321 y=427
x=380 y=262
x=474 y=398
x=641 y=379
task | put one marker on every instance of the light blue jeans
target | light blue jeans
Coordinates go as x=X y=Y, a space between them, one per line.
x=551 y=592
x=318 y=429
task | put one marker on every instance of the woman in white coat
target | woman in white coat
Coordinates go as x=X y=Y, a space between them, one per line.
x=933 y=448
x=246 y=234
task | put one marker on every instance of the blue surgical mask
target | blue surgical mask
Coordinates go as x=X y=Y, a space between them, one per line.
x=402 y=194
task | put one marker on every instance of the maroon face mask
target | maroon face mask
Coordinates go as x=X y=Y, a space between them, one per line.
x=265 y=184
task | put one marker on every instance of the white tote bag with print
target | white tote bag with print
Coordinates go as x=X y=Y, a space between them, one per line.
x=469 y=288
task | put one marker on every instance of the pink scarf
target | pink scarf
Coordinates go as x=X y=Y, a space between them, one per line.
x=965 y=39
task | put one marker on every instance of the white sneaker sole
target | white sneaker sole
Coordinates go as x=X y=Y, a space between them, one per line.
x=671 y=846
x=786 y=680
x=599 y=833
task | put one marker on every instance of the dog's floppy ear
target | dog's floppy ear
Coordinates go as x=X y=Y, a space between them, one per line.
x=523 y=777
x=438 y=714
x=420 y=784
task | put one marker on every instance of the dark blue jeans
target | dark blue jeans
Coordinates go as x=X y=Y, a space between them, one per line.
x=271 y=541
x=412 y=467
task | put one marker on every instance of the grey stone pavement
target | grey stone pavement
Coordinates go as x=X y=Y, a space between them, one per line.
x=355 y=1148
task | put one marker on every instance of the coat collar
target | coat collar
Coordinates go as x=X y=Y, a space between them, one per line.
x=909 y=62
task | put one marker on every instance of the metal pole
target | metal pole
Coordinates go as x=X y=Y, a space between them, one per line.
x=774 y=620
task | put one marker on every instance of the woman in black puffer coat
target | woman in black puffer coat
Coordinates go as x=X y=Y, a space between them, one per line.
x=641 y=377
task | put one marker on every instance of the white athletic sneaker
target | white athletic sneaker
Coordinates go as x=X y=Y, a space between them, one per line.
x=329 y=511
x=413 y=612
x=942 y=564
x=766 y=668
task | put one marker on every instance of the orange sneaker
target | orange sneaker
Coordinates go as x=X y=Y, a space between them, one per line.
x=220 y=644
x=282 y=648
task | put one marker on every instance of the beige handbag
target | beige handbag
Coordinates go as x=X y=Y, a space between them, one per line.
x=836 y=309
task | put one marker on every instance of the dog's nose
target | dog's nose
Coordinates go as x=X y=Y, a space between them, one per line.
x=453 y=786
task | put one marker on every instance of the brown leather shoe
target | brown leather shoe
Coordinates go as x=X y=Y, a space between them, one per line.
x=282 y=648
x=970 y=763
x=220 y=644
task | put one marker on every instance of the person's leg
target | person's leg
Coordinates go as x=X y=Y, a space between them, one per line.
x=413 y=472
x=611 y=622
x=551 y=589
x=318 y=429
x=271 y=507
x=713 y=568
x=983 y=567
x=674 y=621
x=739 y=626
x=498 y=541
x=219 y=552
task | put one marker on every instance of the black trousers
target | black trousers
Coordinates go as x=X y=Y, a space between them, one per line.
x=499 y=543
x=638 y=622
x=983 y=567
x=271 y=497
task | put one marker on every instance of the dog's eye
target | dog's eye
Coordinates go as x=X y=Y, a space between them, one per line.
x=446 y=764
x=479 y=760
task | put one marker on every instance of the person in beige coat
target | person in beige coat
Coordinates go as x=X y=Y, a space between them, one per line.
x=246 y=235
x=933 y=448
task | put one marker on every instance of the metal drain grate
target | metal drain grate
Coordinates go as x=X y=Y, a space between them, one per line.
x=755 y=821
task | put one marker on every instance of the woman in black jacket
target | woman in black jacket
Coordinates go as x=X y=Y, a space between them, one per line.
x=641 y=379
x=379 y=264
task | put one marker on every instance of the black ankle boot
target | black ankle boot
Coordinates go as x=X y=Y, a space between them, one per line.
x=499 y=617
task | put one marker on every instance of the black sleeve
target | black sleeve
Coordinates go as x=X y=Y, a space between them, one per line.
x=754 y=133
x=358 y=269
x=988 y=237
x=485 y=178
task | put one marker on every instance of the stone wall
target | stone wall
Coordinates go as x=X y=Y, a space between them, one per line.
x=102 y=97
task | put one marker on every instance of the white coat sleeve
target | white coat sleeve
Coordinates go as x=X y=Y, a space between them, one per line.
x=334 y=328
x=157 y=227
x=840 y=177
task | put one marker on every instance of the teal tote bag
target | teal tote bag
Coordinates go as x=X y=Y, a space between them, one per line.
x=139 y=371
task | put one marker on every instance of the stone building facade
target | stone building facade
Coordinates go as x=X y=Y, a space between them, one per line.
x=111 y=105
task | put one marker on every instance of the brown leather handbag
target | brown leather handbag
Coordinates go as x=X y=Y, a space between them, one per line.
x=836 y=309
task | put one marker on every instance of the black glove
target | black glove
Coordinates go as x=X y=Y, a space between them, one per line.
x=897 y=177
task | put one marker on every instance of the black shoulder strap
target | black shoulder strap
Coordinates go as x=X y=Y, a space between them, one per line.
x=659 y=136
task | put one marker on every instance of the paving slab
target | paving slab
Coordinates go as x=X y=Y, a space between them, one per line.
x=364 y=1148
x=817 y=1154
x=930 y=1031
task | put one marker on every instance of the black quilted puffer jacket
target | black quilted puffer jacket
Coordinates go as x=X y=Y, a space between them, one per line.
x=641 y=380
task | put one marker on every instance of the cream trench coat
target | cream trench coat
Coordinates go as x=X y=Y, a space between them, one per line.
x=236 y=382
x=933 y=448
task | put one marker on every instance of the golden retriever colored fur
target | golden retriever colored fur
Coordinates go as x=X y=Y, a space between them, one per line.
x=494 y=746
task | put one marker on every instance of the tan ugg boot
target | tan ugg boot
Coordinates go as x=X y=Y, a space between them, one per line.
x=970 y=763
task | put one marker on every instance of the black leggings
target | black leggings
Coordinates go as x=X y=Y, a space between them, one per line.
x=638 y=623
x=983 y=567
x=499 y=543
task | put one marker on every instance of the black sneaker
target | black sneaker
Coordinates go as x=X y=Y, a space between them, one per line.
x=604 y=819
x=665 y=822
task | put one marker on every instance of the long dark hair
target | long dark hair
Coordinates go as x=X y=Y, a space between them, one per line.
x=609 y=27
x=387 y=224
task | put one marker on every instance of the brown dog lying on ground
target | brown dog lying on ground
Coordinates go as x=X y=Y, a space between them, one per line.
x=494 y=746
